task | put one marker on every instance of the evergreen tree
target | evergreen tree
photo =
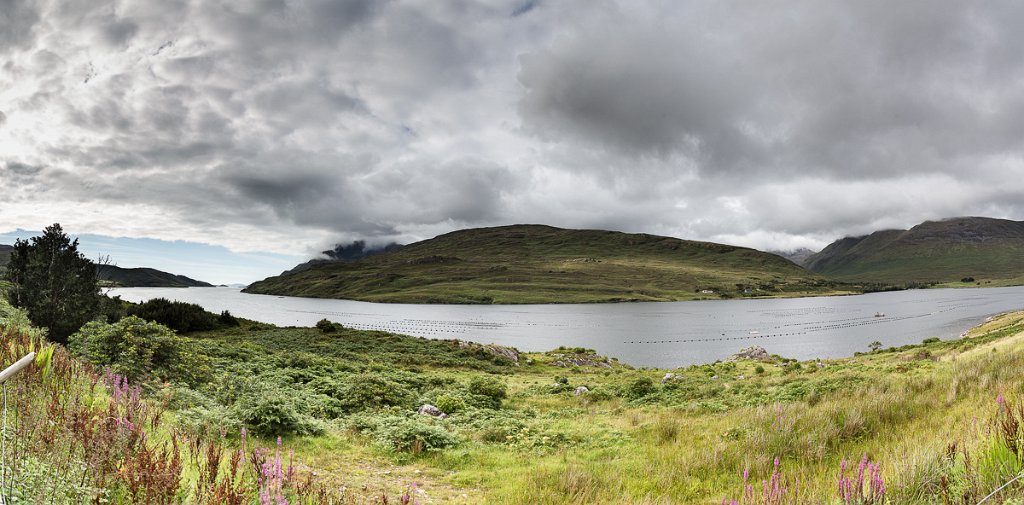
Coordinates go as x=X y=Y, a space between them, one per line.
x=53 y=282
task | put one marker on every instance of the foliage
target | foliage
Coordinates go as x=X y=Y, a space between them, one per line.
x=179 y=316
x=325 y=326
x=53 y=282
x=639 y=388
x=371 y=391
x=139 y=349
x=414 y=434
x=275 y=412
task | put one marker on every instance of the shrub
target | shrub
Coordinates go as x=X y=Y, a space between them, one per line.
x=179 y=316
x=639 y=388
x=325 y=326
x=274 y=412
x=413 y=435
x=492 y=389
x=139 y=349
x=368 y=391
x=450 y=403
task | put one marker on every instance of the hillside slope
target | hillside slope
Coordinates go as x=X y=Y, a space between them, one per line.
x=933 y=251
x=542 y=264
x=145 y=278
x=5 y=254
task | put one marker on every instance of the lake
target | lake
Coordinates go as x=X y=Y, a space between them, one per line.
x=654 y=334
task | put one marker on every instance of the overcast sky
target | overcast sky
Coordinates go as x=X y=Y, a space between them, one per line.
x=287 y=126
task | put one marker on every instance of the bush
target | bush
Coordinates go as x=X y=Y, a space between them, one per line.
x=369 y=391
x=412 y=435
x=140 y=350
x=639 y=388
x=179 y=316
x=491 y=389
x=450 y=403
x=325 y=326
x=275 y=412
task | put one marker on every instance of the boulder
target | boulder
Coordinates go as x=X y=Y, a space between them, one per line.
x=754 y=352
x=582 y=390
x=668 y=377
x=497 y=350
x=429 y=410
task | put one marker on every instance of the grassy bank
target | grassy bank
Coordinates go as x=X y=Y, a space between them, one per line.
x=631 y=438
x=941 y=420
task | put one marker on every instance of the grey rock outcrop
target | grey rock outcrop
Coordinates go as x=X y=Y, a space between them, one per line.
x=429 y=410
x=754 y=352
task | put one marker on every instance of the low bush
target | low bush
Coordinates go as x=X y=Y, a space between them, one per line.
x=140 y=350
x=410 y=434
x=178 y=316
x=275 y=412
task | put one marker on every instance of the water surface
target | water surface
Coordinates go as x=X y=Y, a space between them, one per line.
x=656 y=334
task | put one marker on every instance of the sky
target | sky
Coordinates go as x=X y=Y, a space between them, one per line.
x=266 y=131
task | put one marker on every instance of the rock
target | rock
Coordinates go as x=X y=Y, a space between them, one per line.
x=754 y=352
x=668 y=377
x=582 y=390
x=497 y=350
x=429 y=410
x=714 y=377
x=741 y=377
x=819 y=365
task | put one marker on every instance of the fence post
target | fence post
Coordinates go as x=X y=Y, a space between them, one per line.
x=9 y=372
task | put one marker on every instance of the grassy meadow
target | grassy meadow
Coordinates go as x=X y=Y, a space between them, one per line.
x=942 y=420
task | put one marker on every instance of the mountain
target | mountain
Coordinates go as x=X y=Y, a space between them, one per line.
x=933 y=251
x=798 y=256
x=126 y=277
x=543 y=264
x=345 y=253
x=145 y=278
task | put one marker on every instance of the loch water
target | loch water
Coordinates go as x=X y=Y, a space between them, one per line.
x=652 y=334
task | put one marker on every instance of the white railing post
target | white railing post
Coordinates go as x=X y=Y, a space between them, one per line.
x=9 y=372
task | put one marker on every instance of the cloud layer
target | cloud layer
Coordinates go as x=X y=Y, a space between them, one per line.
x=288 y=126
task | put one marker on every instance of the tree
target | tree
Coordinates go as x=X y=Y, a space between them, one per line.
x=53 y=282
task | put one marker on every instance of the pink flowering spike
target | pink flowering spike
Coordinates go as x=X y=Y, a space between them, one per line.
x=746 y=474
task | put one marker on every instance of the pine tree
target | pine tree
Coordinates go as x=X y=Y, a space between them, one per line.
x=53 y=282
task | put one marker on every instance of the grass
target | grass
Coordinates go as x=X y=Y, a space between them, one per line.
x=685 y=441
x=937 y=418
x=541 y=264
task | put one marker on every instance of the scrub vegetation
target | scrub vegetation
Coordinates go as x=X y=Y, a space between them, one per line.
x=938 y=422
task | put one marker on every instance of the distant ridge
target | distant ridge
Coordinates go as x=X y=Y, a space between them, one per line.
x=798 y=256
x=145 y=278
x=543 y=264
x=933 y=251
x=126 y=277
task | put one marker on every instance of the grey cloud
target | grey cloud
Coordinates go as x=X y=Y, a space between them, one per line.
x=17 y=18
x=868 y=89
x=386 y=120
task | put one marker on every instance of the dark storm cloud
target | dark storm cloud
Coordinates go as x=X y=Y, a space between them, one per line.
x=306 y=123
x=843 y=90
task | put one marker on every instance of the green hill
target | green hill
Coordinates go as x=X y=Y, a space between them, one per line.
x=5 y=255
x=145 y=278
x=933 y=251
x=542 y=264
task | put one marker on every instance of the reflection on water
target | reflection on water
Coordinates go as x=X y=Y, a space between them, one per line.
x=666 y=334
